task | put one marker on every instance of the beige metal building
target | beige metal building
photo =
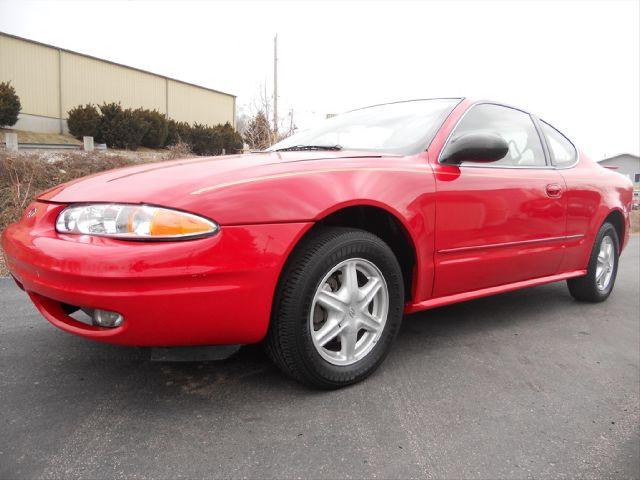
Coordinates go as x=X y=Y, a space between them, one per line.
x=50 y=81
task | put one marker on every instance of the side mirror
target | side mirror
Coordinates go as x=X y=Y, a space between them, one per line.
x=475 y=147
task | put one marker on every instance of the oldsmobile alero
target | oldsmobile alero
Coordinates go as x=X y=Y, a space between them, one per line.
x=319 y=245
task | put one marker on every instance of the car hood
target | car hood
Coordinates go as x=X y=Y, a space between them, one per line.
x=166 y=183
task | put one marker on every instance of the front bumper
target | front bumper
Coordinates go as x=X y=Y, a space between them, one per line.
x=212 y=291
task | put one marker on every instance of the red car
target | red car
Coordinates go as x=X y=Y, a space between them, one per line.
x=319 y=245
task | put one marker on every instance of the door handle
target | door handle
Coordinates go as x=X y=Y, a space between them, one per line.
x=553 y=190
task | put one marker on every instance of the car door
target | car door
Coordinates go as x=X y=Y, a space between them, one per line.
x=501 y=222
x=583 y=197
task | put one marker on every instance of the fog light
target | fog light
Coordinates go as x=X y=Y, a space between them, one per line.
x=107 y=319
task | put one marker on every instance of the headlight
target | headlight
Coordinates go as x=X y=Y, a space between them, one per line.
x=133 y=222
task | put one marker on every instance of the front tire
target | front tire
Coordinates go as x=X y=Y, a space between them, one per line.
x=597 y=284
x=337 y=309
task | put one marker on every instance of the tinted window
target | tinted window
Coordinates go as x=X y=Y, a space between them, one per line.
x=515 y=126
x=563 y=153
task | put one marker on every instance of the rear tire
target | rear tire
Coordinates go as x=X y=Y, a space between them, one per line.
x=597 y=284
x=337 y=308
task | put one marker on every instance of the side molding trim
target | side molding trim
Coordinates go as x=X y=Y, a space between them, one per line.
x=511 y=244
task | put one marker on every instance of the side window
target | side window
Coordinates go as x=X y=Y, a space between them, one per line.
x=515 y=126
x=563 y=152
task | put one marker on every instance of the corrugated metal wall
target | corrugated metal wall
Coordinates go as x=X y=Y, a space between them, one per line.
x=37 y=71
x=189 y=104
x=33 y=71
x=86 y=80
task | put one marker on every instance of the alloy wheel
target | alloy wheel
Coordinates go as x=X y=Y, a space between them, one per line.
x=605 y=263
x=349 y=311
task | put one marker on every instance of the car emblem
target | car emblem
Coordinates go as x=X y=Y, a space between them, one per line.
x=32 y=212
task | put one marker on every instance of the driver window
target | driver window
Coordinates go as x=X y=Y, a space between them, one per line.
x=515 y=126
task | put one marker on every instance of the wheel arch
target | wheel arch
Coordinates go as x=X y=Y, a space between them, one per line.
x=616 y=218
x=381 y=222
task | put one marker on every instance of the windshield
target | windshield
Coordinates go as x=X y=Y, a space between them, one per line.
x=403 y=128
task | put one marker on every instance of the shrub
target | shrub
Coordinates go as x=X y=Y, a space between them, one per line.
x=157 y=128
x=172 y=133
x=178 y=132
x=9 y=105
x=231 y=140
x=132 y=130
x=205 y=140
x=126 y=128
x=120 y=128
x=109 y=113
x=83 y=120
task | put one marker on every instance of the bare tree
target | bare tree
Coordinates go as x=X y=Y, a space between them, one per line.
x=242 y=121
x=250 y=122
x=290 y=128
x=258 y=133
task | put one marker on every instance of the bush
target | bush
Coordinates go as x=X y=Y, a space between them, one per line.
x=205 y=140
x=109 y=114
x=83 y=120
x=9 y=105
x=126 y=128
x=231 y=140
x=157 y=128
x=178 y=132
x=172 y=134
x=120 y=128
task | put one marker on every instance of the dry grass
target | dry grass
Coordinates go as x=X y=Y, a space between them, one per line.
x=24 y=175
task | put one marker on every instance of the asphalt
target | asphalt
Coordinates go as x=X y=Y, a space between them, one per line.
x=529 y=384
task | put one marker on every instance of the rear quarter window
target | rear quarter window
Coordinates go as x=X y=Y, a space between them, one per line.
x=563 y=153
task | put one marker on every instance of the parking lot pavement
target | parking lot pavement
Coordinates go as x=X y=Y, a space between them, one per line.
x=525 y=384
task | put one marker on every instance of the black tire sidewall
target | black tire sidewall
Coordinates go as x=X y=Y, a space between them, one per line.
x=607 y=230
x=353 y=244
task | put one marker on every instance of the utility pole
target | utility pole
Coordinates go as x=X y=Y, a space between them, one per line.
x=275 y=87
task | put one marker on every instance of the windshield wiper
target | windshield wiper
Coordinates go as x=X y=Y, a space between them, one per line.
x=309 y=147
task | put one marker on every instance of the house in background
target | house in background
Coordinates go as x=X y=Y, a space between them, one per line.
x=627 y=165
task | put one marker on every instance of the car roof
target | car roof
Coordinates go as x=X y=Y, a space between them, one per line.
x=406 y=101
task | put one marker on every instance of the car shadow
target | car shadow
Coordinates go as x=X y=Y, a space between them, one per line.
x=506 y=310
x=250 y=369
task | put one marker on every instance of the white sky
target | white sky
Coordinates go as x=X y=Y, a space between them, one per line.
x=576 y=64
